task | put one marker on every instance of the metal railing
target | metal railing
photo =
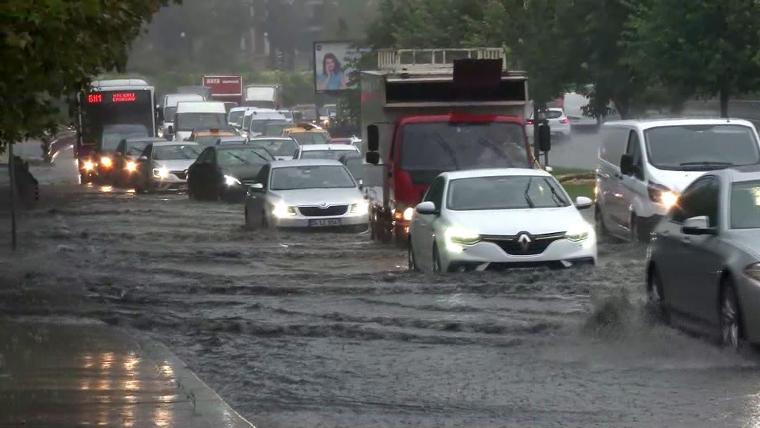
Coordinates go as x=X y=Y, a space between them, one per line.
x=432 y=59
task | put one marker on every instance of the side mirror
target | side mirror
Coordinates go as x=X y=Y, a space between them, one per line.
x=626 y=164
x=544 y=137
x=373 y=158
x=373 y=138
x=170 y=130
x=426 y=208
x=583 y=202
x=142 y=158
x=698 y=226
x=256 y=187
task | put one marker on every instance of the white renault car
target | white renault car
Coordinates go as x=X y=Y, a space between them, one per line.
x=499 y=218
x=306 y=194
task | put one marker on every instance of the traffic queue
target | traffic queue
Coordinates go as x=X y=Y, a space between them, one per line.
x=452 y=176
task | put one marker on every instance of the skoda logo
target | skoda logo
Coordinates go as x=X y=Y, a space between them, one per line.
x=524 y=239
x=323 y=205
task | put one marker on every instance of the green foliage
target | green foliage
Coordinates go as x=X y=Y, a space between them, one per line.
x=50 y=48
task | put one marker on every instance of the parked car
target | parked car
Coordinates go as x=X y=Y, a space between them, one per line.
x=163 y=166
x=494 y=218
x=559 y=124
x=328 y=151
x=126 y=159
x=282 y=148
x=224 y=171
x=704 y=259
x=645 y=165
x=306 y=194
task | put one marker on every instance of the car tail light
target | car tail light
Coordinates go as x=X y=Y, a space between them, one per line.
x=529 y=122
x=564 y=121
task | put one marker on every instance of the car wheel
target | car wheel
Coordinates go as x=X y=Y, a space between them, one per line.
x=730 y=317
x=656 y=297
x=436 y=260
x=410 y=257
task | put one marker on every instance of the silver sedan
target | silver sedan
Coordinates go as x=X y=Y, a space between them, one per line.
x=704 y=257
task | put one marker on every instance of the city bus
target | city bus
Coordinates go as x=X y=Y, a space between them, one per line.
x=110 y=111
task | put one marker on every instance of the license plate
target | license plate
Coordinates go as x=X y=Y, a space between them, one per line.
x=324 y=222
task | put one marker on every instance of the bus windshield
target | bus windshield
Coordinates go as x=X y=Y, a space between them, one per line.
x=116 y=115
x=443 y=146
x=113 y=134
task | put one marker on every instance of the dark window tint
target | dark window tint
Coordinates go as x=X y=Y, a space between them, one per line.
x=701 y=147
x=613 y=144
x=634 y=149
x=700 y=199
x=435 y=192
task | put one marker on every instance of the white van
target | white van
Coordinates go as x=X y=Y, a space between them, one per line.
x=169 y=108
x=255 y=119
x=645 y=165
x=198 y=115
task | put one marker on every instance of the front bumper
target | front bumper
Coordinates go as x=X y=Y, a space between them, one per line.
x=300 y=221
x=171 y=181
x=485 y=253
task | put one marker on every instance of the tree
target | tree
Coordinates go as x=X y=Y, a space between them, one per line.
x=49 y=49
x=699 y=47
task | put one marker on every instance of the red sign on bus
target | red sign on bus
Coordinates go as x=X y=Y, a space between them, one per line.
x=94 y=98
x=123 y=97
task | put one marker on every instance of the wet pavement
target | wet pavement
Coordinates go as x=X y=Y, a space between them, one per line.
x=330 y=330
x=67 y=372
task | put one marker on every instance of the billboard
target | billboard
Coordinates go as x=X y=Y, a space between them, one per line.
x=224 y=86
x=334 y=65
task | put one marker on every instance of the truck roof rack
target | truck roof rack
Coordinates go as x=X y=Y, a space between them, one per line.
x=432 y=60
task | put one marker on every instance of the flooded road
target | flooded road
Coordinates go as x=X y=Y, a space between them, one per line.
x=329 y=330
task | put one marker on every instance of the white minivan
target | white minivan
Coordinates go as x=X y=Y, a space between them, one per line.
x=170 y=109
x=198 y=115
x=644 y=165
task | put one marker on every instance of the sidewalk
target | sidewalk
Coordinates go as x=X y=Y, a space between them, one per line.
x=68 y=372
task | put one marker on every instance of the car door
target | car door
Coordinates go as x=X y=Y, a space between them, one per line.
x=609 y=192
x=633 y=186
x=256 y=199
x=144 y=165
x=198 y=171
x=674 y=266
x=702 y=260
x=423 y=235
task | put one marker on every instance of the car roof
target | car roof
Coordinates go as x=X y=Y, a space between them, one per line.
x=254 y=139
x=495 y=172
x=231 y=138
x=305 y=162
x=326 y=147
x=174 y=143
x=201 y=107
x=644 y=124
x=145 y=140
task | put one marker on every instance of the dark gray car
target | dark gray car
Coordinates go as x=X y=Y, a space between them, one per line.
x=704 y=257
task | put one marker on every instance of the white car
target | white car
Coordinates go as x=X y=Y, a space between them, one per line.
x=498 y=218
x=328 y=151
x=163 y=166
x=305 y=194
x=559 y=124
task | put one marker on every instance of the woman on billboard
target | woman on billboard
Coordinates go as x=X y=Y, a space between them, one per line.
x=333 y=77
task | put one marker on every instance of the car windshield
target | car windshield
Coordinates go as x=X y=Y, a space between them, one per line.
x=236 y=117
x=241 y=157
x=277 y=147
x=553 y=114
x=505 y=192
x=190 y=121
x=306 y=138
x=311 y=177
x=259 y=126
x=135 y=148
x=113 y=134
x=329 y=154
x=275 y=129
x=745 y=205
x=175 y=152
x=701 y=147
x=430 y=148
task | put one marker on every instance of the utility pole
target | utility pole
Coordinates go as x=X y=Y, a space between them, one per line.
x=12 y=173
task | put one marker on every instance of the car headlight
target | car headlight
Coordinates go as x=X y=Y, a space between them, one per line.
x=579 y=233
x=662 y=195
x=160 y=172
x=131 y=166
x=753 y=271
x=281 y=210
x=88 y=165
x=360 y=208
x=408 y=214
x=231 y=181
x=106 y=162
x=457 y=237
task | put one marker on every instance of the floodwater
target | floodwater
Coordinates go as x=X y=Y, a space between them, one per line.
x=301 y=329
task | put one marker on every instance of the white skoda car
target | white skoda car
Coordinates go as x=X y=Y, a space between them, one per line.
x=499 y=218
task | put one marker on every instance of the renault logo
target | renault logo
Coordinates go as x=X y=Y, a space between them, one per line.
x=524 y=239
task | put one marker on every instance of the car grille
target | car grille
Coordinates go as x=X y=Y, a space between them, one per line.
x=182 y=175
x=323 y=212
x=516 y=245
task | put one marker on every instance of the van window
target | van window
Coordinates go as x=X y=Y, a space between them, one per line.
x=614 y=143
x=634 y=149
x=701 y=147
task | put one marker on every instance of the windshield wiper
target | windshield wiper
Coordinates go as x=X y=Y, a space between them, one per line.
x=706 y=163
x=527 y=196
x=445 y=146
